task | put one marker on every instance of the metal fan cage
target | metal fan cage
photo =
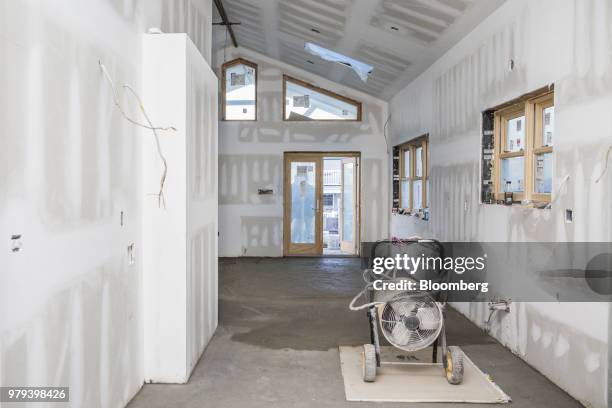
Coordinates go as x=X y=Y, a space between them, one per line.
x=411 y=321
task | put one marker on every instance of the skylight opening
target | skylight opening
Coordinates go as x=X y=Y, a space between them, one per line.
x=361 y=68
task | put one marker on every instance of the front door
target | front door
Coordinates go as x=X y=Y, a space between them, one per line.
x=303 y=207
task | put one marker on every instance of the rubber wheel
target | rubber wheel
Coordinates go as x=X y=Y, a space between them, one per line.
x=453 y=365
x=368 y=363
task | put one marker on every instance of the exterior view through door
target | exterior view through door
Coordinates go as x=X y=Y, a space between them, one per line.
x=321 y=204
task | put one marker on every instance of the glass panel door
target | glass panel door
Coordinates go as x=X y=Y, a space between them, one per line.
x=349 y=199
x=303 y=191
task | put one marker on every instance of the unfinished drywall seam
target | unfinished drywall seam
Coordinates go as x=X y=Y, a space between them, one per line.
x=251 y=154
x=160 y=195
x=447 y=100
x=605 y=164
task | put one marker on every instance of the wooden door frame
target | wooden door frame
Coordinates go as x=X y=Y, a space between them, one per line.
x=287 y=196
x=318 y=245
x=354 y=201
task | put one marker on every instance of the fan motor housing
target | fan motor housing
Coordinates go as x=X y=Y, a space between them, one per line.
x=412 y=322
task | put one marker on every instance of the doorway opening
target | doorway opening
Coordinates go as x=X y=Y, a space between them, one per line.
x=321 y=204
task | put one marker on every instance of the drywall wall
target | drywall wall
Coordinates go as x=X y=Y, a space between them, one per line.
x=567 y=43
x=202 y=205
x=70 y=185
x=179 y=231
x=251 y=157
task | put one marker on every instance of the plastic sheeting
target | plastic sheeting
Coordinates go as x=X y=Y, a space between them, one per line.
x=362 y=69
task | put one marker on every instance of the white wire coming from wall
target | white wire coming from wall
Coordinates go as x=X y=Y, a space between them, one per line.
x=385 y=134
x=160 y=195
x=605 y=164
x=558 y=191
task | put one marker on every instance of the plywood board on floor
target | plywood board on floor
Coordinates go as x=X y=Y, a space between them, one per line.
x=421 y=382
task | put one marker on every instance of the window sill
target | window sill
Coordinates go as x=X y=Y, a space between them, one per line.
x=421 y=214
x=540 y=205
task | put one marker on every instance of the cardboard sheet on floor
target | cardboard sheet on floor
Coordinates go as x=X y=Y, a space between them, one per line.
x=422 y=382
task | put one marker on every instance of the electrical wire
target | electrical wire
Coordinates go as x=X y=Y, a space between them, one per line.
x=160 y=195
x=556 y=195
x=161 y=200
x=605 y=169
x=118 y=105
x=385 y=133
x=566 y=178
x=488 y=321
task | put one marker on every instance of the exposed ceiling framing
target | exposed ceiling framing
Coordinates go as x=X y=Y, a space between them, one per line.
x=400 y=38
x=225 y=21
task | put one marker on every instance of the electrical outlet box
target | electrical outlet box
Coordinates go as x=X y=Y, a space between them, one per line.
x=16 y=243
x=131 y=256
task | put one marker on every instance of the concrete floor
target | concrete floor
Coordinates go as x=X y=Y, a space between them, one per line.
x=280 y=324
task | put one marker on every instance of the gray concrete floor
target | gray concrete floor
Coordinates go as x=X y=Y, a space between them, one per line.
x=280 y=324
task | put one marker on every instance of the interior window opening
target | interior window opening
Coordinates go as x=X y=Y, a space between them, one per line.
x=239 y=90
x=306 y=102
x=522 y=161
x=414 y=176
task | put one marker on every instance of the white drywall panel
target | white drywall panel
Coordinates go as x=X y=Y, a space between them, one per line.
x=202 y=204
x=251 y=157
x=165 y=225
x=70 y=305
x=180 y=259
x=562 y=42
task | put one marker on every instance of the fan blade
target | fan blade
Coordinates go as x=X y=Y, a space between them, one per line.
x=400 y=334
x=403 y=308
x=429 y=318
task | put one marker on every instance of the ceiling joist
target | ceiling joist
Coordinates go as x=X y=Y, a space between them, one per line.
x=225 y=21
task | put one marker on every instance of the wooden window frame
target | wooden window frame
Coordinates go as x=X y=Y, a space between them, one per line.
x=540 y=104
x=502 y=117
x=531 y=107
x=224 y=67
x=324 y=91
x=411 y=146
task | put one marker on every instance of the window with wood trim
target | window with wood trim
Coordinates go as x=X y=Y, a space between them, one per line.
x=239 y=90
x=524 y=133
x=306 y=102
x=414 y=175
